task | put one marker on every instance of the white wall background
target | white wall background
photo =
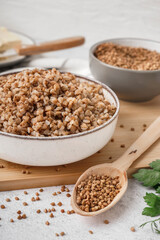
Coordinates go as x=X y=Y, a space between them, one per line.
x=95 y=19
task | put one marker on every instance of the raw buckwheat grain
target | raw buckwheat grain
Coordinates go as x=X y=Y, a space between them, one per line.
x=97 y=192
x=38 y=211
x=132 y=229
x=106 y=221
x=59 y=204
x=8 y=199
x=62 y=233
x=51 y=215
x=25 y=204
x=68 y=195
x=47 y=223
x=128 y=57
x=52 y=203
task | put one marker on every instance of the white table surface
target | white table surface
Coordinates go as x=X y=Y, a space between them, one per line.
x=122 y=217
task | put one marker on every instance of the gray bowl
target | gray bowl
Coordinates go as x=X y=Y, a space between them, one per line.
x=130 y=85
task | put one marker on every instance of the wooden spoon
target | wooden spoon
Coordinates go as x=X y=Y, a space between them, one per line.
x=51 y=46
x=119 y=167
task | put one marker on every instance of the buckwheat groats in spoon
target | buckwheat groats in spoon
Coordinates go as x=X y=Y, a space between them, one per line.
x=100 y=187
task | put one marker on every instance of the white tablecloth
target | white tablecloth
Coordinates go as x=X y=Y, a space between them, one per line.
x=122 y=217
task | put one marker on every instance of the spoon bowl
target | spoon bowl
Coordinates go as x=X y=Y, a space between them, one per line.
x=101 y=169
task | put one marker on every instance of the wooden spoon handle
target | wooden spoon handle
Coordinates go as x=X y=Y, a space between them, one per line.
x=151 y=134
x=51 y=46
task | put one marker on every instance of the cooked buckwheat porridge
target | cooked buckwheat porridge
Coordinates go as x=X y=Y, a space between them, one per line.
x=49 y=103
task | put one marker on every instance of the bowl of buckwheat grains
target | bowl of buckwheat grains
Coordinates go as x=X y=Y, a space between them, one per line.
x=130 y=66
x=51 y=118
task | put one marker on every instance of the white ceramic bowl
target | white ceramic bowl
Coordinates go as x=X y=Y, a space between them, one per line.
x=51 y=151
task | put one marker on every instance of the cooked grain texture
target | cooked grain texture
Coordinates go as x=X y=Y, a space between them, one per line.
x=48 y=103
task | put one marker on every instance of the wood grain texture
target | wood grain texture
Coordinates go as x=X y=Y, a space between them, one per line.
x=51 y=46
x=132 y=115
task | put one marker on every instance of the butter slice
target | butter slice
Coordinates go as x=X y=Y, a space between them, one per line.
x=8 y=40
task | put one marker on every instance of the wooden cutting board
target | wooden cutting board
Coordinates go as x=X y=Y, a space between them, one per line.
x=132 y=115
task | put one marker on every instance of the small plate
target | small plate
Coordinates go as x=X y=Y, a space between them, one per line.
x=10 y=57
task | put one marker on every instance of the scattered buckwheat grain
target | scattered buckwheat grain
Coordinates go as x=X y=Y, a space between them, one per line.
x=122 y=146
x=25 y=204
x=106 y=221
x=62 y=188
x=51 y=215
x=68 y=195
x=24 y=216
x=52 y=203
x=19 y=217
x=59 y=204
x=8 y=199
x=67 y=190
x=62 y=233
x=132 y=229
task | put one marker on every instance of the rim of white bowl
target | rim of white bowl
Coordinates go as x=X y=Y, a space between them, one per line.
x=93 y=48
x=108 y=89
